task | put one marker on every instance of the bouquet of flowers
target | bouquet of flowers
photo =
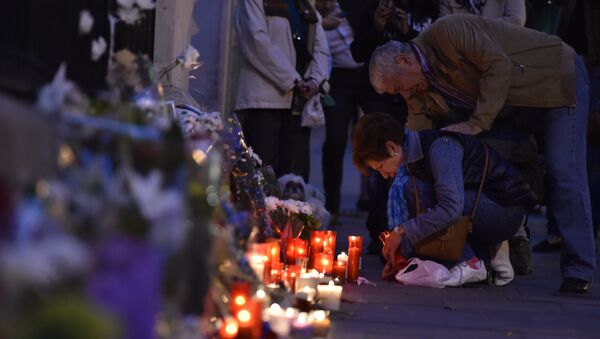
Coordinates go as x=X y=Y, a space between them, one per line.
x=292 y=217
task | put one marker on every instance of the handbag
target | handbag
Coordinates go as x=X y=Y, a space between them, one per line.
x=449 y=243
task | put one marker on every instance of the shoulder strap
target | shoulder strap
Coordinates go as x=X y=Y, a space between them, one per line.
x=485 y=169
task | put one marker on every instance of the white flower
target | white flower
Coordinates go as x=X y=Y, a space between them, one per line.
x=306 y=209
x=126 y=3
x=271 y=203
x=86 y=22
x=146 y=4
x=98 y=48
x=292 y=205
x=52 y=95
x=189 y=58
x=129 y=15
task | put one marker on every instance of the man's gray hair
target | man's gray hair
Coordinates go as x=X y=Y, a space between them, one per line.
x=382 y=61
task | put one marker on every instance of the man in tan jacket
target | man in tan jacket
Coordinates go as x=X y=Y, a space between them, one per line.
x=478 y=65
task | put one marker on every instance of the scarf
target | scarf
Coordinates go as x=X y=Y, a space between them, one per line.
x=397 y=207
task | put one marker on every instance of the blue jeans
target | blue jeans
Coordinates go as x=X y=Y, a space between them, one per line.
x=493 y=223
x=565 y=148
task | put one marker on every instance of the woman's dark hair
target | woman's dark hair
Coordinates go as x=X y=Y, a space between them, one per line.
x=369 y=136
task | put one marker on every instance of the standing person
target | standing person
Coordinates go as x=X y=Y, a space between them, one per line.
x=483 y=65
x=378 y=22
x=345 y=89
x=284 y=62
x=512 y=11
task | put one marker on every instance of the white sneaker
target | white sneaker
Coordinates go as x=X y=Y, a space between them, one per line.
x=501 y=265
x=470 y=271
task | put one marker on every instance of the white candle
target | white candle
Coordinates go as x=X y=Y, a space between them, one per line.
x=278 y=319
x=307 y=293
x=320 y=323
x=310 y=279
x=343 y=257
x=330 y=296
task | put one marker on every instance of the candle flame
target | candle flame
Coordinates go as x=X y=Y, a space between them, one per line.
x=319 y=315
x=244 y=316
x=240 y=300
x=261 y=294
x=231 y=327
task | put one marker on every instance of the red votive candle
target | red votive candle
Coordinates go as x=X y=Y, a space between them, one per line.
x=354 y=253
x=339 y=270
x=324 y=263
x=329 y=242
x=316 y=246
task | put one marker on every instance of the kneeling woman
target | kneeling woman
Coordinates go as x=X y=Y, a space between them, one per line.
x=448 y=168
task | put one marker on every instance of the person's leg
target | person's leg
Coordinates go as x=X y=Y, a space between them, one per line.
x=294 y=154
x=565 y=140
x=337 y=125
x=261 y=127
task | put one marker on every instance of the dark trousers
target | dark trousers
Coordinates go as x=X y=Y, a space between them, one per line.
x=350 y=88
x=279 y=140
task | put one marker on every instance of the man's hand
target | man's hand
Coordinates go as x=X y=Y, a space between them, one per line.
x=464 y=128
x=391 y=244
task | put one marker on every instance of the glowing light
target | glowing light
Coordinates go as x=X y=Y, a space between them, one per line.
x=240 y=300
x=199 y=156
x=319 y=315
x=65 y=156
x=244 y=316
x=261 y=294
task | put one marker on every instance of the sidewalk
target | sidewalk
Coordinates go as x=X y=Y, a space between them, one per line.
x=529 y=307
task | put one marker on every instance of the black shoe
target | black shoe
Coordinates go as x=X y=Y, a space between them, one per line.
x=520 y=255
x=574 y=285
x=545 y=246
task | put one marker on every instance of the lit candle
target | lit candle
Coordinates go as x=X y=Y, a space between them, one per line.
x=275 y=251
x=296 y=249
x=324 y=263
x=339 y=270
x=239 y=296
x=329 y=242
x=257 y=263
x=279 y=321
x=316 y=246
x=354 y=253
x=320 y=323
x=249 y=320
x=301 y=327
x=330 y=296
x=276 y=272
x=290 y=275
x=310 y=279
x=229 y=329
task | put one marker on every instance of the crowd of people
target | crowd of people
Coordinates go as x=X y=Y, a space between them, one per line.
x=451 y=103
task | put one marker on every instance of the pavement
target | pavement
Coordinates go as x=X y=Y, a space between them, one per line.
x=528 y=307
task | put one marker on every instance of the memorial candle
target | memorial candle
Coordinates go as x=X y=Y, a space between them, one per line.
x=329 y=242
x=296 y=249
x=316 y=246
x=330 y=296
x=324 y=263
x=339 y=270
x=354 y=253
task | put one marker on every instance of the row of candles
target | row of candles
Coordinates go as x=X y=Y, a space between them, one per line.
x=308 y=270
x=265 y=258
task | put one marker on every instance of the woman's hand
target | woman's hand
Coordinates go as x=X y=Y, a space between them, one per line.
x=332 y=20
x=308 y=88
x=391 y=244
x=400 y=21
